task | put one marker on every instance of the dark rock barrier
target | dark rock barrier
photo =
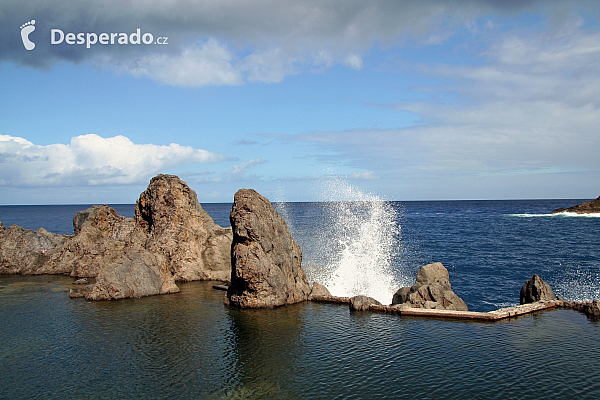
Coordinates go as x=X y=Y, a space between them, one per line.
x=583 y=208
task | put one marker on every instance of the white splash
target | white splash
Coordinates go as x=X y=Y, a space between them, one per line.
x=558 y=215
x=360 y=239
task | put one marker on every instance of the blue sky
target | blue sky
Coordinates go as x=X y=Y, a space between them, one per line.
x=423 y=100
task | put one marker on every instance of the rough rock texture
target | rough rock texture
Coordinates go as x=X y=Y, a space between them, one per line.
x=178 y=227
x=101 y=237
x=432 y=290
x=23 y=251
x=318 y=291
x=362 y=303
x=266 y=261
x=590 y=308
x=583 y=208
x=535 y=289
x=135 y=273
x=171 y=238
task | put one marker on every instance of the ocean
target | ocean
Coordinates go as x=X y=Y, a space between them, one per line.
x=189 y=345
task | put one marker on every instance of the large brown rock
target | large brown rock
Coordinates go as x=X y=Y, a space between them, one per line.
x=171 y=238
x=178 y=227
x=134 y=273
x=101 y=236
x=266 y=261
x=431 y=290
x=535 y=289
x=24 y=251
x=583 y=208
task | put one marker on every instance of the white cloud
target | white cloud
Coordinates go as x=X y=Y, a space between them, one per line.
x=209 y=63
x=240 y=41
x=239 y=170
x=363 y=175
x=529 y=107
x=90 y=160
x=353 y=61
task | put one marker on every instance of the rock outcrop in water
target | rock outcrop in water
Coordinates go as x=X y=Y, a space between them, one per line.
x=318 y=291
x=101 y=236
x=362 y=303
x=583 y=208
x=178 y=227
x=432 y=290
x=266 y=261
x=24 y=251
x=171 y=238
x=589 y=308
x=535 y=289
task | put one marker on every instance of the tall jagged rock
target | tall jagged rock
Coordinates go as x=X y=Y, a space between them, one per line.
x=535 y=289
x=431 y=290
x=178 y=227
x=266 y=261
x=24 y=251
x=171 y=238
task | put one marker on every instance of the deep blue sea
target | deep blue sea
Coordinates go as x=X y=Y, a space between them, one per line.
x=189 y=345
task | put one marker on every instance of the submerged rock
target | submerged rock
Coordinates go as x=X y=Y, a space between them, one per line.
x=431 y=290
x=583 y=208
x=24 y=251
x=266 y=261
x=535 y=289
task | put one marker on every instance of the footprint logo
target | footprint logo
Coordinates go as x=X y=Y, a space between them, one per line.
x=26 y=29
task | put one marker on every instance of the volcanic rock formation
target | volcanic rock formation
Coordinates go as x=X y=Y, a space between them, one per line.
x=266 y=262
x=24 y=251
x=431 y=290
x=177 y=226
x=583 y=208
x=171 y=238
x=535 y=289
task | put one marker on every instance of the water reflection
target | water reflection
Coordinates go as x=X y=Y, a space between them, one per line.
x=189 y=345
x=267 y=345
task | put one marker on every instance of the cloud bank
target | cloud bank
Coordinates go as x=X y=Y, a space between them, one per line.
x=90 y=160
x=233 y=42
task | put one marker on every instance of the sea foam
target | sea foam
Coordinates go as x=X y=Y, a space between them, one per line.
x=359 y=240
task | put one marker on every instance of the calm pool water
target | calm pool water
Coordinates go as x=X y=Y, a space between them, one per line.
x=189 y=345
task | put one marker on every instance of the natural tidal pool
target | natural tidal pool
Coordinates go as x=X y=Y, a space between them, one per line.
x=189 y=345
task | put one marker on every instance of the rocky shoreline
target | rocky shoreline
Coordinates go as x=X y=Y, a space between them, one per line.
x=172 y=239
x=590 y=207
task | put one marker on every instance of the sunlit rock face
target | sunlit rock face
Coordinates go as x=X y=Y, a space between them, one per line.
x=266 y=261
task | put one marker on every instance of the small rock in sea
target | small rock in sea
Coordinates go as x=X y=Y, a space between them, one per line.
x=82 y=281
x=222 y=286
x=431 y=290
x=318 y=291
x=362 y=303
x=535 y=289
